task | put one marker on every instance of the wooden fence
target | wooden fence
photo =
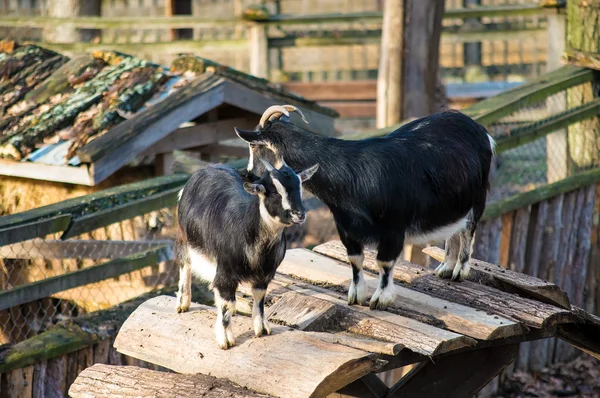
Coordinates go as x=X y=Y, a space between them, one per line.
x=496 y=41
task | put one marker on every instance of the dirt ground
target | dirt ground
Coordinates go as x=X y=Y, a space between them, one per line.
x=578 y=378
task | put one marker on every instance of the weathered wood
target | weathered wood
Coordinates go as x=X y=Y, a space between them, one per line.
x=97 y=250
x=505 y=238
x=154 y=333
x=530 y=312
x=583 y=39
x=461 y=375
x=46 y=172
x=461 y=319
x=56 y=377
x=39 y=379
x=509 y=280
x=126 y=211
x=87 y=204
x=38 y=228
x=492 y=109
x=545 y=192
x=259 y=51
x=338 y=316
x=198 y=135
x=129 y=381
x=46 y=287
x=389 y=78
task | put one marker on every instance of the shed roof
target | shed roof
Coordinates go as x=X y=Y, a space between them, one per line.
x=79 y=120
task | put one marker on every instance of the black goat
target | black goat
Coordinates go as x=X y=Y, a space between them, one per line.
x=231 y=232
x=426 y=181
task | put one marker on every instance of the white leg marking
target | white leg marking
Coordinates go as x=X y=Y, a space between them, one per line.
x=445 y=269
x=385 y=294
x=261 y=325
x=357 y=292
x=184 y=294
x=224 y=334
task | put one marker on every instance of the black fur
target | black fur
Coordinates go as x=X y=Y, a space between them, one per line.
x=425 y=175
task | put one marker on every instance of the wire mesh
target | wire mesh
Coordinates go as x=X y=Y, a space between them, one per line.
x=551 y=158
x=38 y=259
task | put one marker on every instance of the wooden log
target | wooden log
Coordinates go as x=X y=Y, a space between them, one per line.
x=508 y=280
x=156 y=333
x=320 y=270
x=129 y=381
x=530 y=312
x=461 y=375
x=540 y=352
x=56 y=377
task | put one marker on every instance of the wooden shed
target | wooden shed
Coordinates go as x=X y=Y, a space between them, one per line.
x=80 y=120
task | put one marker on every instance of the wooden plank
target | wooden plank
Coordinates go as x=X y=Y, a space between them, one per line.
x=492 y=109
x=56 y=377
x=38 y=171
x=39 y=379
x=199 y=135
x=83 y=205
x=352 y=109
x=530 y=312
x=357 y=90
x=509 y=280
x=97 y=250
x=306 y=366
x=259 y=51
x=243 y=97
x=109 y=381
x=460 y=375
x=217 y=150
x=461 y=319
x=507 y=227
x=125 y=211
x=46 y=287
x=41 y=228
x=545 y=192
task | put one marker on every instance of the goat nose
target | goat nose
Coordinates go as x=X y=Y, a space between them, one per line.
x=298 y=217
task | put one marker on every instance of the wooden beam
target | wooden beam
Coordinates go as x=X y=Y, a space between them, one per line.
x=39 y=171
x=199 y=135
x=93 y=249
x=224 y=150
x=243 y=97
x=259 y=50
x=46 y=287
x=83 y=205
x=125 y=211
x=488 y=111
x=460 y=375
x=107 y=381
x=318 y=368
x=35 y=229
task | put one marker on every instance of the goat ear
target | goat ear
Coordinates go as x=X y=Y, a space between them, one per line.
x=305 y=175
x=254 y=189
x=250 y=136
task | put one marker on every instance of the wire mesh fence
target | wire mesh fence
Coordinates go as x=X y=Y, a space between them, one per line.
x=570 y=148
x=38 y=259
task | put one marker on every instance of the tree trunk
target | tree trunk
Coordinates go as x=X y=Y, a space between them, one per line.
x=423 y=28
x=63 y=33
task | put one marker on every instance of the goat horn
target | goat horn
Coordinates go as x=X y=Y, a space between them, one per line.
x=292 y=108
x=267 y=165
x=273 y=112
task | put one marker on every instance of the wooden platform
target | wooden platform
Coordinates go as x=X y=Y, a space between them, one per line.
x=459 y=335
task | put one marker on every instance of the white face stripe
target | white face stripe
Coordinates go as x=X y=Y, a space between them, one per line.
x=285 y=201
x=250 y=160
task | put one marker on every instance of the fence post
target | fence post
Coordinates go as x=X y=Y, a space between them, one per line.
x=259 y=50
x=556 y=143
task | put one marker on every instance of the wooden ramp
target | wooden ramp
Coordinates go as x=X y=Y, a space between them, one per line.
x=459 y=334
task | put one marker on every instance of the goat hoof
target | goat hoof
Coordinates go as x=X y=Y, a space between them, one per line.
x=444 y=271
x=357 y=293
x=382 y=299
x=182 y=308
x=461 y=272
